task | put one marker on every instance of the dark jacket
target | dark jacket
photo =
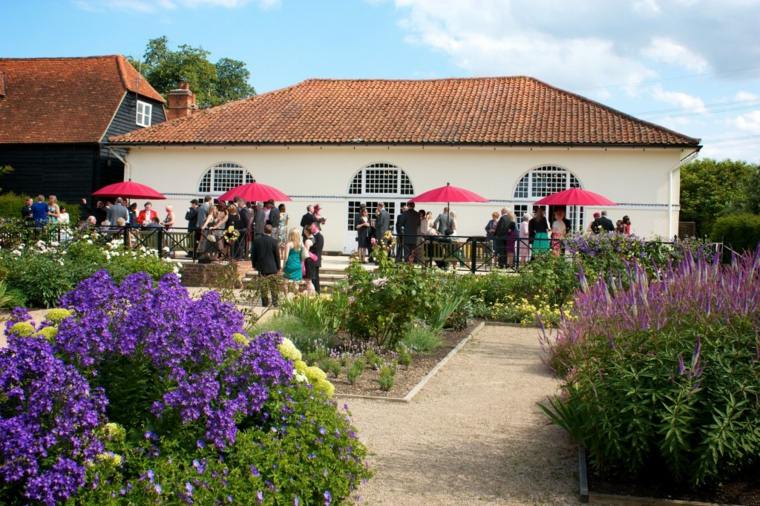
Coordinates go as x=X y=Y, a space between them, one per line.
x=606 y=224
x=503 y=226
x=274 y=217
x=27 y=214
x=536 y=225
x=191 y=215
x=265 y=256
x=411 y=226
x=307 y=219
x=316 y=248
x=401 y=223
x=382 y=223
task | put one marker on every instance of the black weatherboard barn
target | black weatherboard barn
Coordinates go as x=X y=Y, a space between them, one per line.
x=56 y=115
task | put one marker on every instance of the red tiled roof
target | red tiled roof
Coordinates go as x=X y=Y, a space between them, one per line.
x=64 y=100
x=498 y=110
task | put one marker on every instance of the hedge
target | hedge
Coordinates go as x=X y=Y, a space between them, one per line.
x=740 y=232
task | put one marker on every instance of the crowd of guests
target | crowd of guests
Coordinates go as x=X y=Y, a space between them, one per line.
x=40 y=212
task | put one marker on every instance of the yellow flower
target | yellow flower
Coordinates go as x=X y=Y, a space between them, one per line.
x=48 y=333
x=57 y=315
x=240 y=339
x=22 y=329
x=300 y=366
x=315 y=374
x=325 y=386
x=114 y=432
x=289 y=350
x=109 y=458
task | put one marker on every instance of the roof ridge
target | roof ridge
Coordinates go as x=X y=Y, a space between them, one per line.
x=614 y=111
x=26 y=58
x=413 y=80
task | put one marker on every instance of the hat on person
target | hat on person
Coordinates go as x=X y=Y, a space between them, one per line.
x=317 y=208
x=597 y=215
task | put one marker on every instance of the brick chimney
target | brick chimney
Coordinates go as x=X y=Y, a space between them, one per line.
x=181 y=102
x=2 y=84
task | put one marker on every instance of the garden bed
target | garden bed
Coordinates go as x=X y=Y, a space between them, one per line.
x=744 y=490
x=407 y=377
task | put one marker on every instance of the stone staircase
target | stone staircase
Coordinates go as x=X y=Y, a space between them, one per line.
x=333 y=270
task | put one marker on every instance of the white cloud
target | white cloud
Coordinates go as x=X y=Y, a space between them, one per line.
x=489 y=37
x=647 y=7
x=749 y=122
x=746 y=96
x=679 y=99
x=668 y=51
x=156 y=5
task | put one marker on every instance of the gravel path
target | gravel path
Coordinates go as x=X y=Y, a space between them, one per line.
x=474 y=434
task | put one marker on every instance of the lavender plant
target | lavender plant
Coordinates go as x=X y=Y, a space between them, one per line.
x=663 y=375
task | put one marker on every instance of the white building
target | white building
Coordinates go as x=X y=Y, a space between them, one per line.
x=343 y=143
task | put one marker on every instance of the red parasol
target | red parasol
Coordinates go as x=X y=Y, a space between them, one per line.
x=254 y=192
x=130 y=190
x=449 y=194
x=575 y=197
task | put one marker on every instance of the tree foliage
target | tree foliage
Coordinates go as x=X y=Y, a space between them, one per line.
x=212 y=83
x=712 y=188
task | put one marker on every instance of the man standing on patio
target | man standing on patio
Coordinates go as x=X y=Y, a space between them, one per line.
x=500 y=237
x=411 y=231
x=265 y=258
x=442 y=223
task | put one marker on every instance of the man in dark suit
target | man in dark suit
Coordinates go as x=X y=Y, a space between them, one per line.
x=308 y=218
x=259 y=221
x=265 y=258
x=382 y=222
x=400 y=225
x=316 y=248
x=274 y=214
x=411 y=231
x=606 y=223
x=500 y=237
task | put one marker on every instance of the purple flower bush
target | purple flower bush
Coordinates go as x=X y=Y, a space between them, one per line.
x=139 y=389
x=48 y=417
x=661 y=375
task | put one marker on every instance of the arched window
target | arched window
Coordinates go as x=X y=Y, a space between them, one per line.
x=543 y=181
x=222 y=177
x=381 y=182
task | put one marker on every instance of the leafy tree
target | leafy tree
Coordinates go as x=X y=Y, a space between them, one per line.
x=212 y=83
x=712 y=188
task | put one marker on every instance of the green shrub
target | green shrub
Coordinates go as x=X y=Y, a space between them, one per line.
x=10 y=298
x=305 y=463
x=387 y=376
x=421 y=339
x=404 y=356
x=740 y=232
x=330 y=365
x=373 y=359
x=308 y=336
x=354 y=370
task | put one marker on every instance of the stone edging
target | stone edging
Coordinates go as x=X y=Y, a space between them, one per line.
x=416 y=389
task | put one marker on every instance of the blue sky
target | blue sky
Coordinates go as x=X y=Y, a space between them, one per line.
x=691 y=65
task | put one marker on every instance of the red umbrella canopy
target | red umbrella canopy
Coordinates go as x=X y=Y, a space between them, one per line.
x=449 y=193
x=575 y=197
x=130 y=190
x=255 y=192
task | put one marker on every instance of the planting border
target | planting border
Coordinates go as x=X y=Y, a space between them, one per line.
x=625 y=500
x=419 y=386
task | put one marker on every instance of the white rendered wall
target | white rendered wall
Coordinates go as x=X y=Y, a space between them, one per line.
x=643 y=182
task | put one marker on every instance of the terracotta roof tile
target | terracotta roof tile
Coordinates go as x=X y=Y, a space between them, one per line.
x=499 y=110
x=64 y=100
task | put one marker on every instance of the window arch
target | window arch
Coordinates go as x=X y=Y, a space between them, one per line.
x=545 y=180
x=380 y=182
x=224 y=176
x=381 y=179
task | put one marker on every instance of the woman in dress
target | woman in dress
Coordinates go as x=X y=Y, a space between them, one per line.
x=54 y=211
x=294 y=257
x=559 y=231
x=523 y=246
x=539 y=232
x=235 y=221
x=511 y=238
x=626 y=225
x=362 y=234
x=282 y=230
x=310 y=261
x=169 y=219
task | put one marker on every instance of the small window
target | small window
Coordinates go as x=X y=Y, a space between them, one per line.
x=144 y=112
